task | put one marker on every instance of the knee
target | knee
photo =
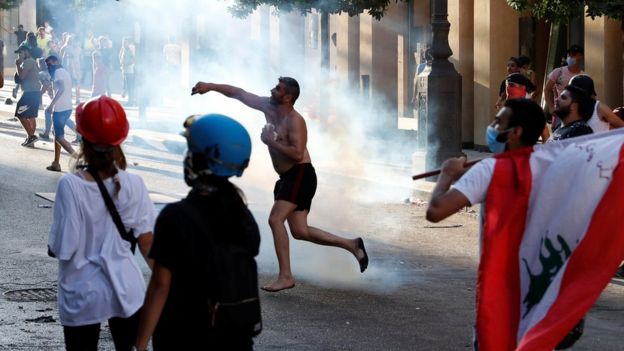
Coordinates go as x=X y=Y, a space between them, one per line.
x=275 y=221
x=299 y=233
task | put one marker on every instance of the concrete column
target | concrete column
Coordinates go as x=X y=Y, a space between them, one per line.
x=461 y=40
x=603 y=58
x=384 y=67
x=495 y=40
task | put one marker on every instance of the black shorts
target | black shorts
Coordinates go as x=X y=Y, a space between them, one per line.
x=297 y=186
x=28 y=105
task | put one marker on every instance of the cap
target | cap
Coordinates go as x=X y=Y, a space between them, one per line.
x=23 y=46
x=521 y=79
x=576 y=49
x=51 y=58
x=584 y=82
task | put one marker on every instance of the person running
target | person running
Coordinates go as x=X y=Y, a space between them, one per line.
x=99 y=279
x=60 y=108
x=286 y=137
x=181 y=291
x=27 y=107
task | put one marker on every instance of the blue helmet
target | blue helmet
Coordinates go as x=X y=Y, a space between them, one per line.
x=217 y=145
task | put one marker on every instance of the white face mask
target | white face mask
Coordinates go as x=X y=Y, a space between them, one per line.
x=571 y=61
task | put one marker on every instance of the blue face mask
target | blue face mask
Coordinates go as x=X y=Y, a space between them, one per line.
x=571 y=61
x=492 y=135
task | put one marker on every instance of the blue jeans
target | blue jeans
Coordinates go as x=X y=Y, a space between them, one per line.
x=59 y=119
x=48 y=124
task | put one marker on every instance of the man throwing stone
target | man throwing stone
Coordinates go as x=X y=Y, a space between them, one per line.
x=286 y=136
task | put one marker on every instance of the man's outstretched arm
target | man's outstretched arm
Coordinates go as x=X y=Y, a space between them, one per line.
x=247 y=98
x=445 y=202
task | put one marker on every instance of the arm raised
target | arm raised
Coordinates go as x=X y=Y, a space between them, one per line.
x=251 y=100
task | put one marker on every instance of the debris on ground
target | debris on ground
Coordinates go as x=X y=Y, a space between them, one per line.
x=42 y=319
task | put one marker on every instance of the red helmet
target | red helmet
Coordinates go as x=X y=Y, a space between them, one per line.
x=102 y=121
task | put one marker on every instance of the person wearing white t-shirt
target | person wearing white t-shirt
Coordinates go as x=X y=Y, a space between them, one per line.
x=99 y=279
x=60 y=108
x=518 y=125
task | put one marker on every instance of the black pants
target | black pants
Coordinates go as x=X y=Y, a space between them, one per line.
x=85 y=337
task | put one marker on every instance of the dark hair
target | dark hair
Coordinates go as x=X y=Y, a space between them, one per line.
x=529 y=115
x=106 y=162
x=292 y=87
x=524 y=60
x=583 y=100
x=515 y=60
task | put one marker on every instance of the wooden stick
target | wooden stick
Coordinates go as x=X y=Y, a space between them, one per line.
x=439 y=170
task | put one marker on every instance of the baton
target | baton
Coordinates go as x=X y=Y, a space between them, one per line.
x=439 y=170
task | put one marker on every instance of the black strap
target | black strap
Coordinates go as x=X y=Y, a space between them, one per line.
x=127 y=236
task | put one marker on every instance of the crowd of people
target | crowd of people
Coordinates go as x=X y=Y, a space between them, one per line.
x=103 y=211
x=59 y=66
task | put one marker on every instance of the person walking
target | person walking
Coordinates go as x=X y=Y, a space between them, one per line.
x=99 y=279
x=286 y=137
x=126 y=62
x=60 y=107
x=70 y=56
x=27 y=107
x=181 y=310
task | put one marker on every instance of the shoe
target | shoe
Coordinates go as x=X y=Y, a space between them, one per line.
x=76 y=141
x=24 y=142
x=30 y=141
x=14 y=93
x=54 y=167
x=364 y=260
x=44 y=136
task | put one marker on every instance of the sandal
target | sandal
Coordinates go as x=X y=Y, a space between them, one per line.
x=54 y=167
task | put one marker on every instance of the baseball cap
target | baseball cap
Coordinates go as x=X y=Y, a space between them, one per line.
x=576 y=49
x=584 y=82
x=23 y=46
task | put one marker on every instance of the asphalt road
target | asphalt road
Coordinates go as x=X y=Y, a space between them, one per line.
x=418 y=293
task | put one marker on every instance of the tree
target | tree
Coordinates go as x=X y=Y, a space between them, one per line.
x=560 y=11
x=9 y=4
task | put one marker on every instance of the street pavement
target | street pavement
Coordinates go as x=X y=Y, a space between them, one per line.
x=417 y=294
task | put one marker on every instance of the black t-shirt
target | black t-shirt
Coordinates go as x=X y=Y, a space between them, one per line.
x=181 y=246
x=574 y=129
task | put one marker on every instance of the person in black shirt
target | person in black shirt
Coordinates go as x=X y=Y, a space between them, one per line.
x=20 y=33
x=574 y=107
x=177 y=309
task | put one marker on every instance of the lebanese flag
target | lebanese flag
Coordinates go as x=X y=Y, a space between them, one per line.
x=553 y=238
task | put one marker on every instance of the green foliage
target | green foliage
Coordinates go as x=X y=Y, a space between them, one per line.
x=561 y=11
x=9 y=4
x=375 y=8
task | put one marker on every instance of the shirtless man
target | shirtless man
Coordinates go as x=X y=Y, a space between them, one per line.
x=286 y=137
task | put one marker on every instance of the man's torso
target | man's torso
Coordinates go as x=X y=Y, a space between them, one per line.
x=64 y=101
x=283 y=128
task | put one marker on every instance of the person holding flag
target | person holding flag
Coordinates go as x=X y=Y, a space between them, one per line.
x=548 y=214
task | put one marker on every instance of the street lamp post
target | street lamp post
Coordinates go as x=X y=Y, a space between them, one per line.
x=441 y=86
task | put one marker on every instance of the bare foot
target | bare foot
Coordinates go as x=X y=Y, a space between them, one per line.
x=279 y=284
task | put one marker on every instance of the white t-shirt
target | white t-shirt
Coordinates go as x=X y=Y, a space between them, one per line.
x=98 y=275
x=475 y=183
x=64 y=102
x=596 y=124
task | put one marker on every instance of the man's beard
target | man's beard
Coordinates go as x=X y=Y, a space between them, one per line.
x=274 y=101
x=562 y=112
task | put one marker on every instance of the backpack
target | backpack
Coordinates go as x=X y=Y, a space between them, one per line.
x=234 y=302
